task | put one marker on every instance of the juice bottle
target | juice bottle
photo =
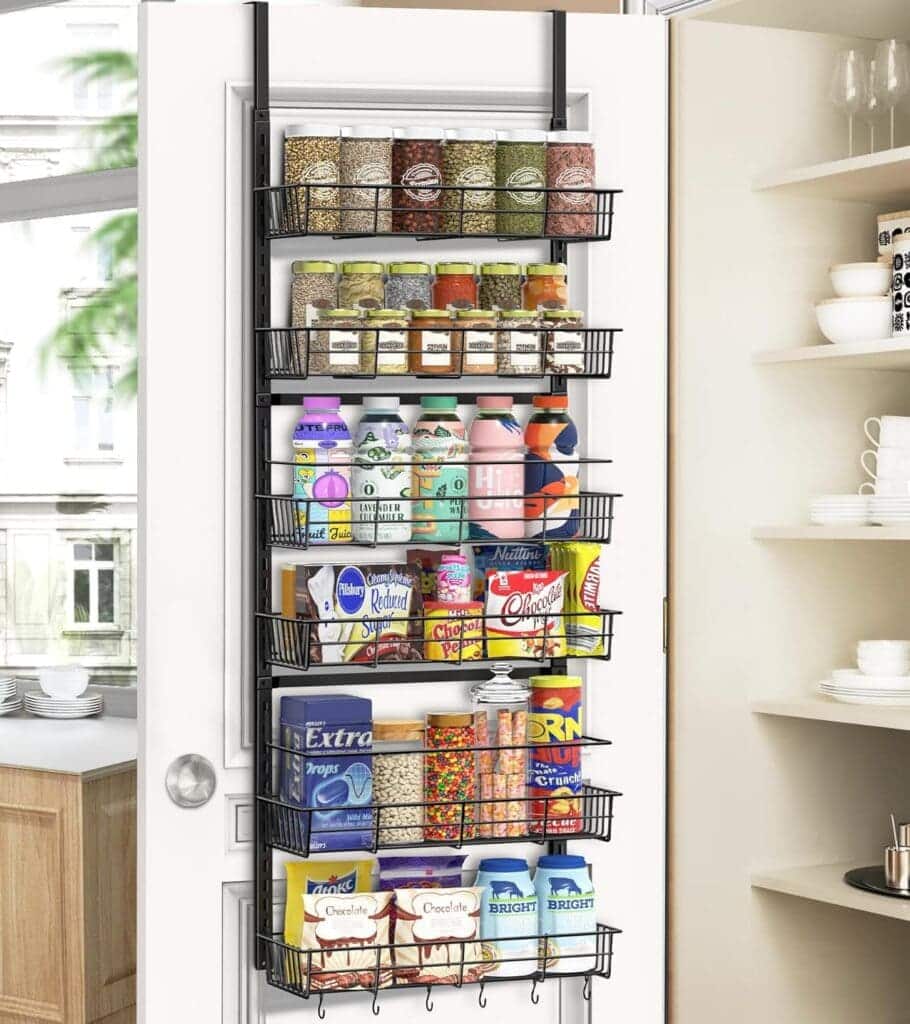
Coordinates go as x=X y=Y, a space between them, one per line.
x=551 y=470
x=322 y=472
x=440 y=471
x=496 y=479
x=381 y=474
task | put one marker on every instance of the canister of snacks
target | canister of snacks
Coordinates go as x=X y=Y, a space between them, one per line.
x=890 y=227
x=500 y=285
x=565 y=341
x=336 y=346
x=360 y=284
x=570 y=165
x=408 y=286
x=521 y=169
x=478 y=339
x=449 y=777
x=518 y=348
x=469 y=162
x=389 y=341
x=545 y=286
x=417 y=170
x=900 y=286
x=311 y=159
x=433 y=347
x=313 y=290
x=455 y=286
x=398 y=779
x=366 y=160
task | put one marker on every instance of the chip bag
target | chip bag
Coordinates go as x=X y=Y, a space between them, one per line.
x=318 y=877
x=349 y=938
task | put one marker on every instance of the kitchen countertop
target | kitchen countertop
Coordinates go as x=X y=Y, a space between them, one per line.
x=83 y=746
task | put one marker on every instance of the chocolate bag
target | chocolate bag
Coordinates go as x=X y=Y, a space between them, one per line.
x=524 y=614
x=344 y=931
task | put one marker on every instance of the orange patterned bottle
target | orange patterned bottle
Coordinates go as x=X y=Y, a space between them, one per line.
x=551 y=470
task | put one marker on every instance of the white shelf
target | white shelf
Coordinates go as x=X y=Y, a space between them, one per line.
x=825 y=884
x=823 y=709
x=831 y=532
x=881 y=178
x=890 y=354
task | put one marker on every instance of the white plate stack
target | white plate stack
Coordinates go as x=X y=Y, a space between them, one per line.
x=10 y=700
x=40 y=704
x=885 y=511
x=839 y=510
x=882 y=678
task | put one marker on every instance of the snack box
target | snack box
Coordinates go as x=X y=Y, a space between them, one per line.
x=453 y=632
x=524 y=614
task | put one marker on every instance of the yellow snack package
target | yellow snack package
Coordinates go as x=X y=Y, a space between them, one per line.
x=581 y=604
x=313 y=877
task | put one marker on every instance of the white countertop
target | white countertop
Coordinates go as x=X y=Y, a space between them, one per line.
x=82 y=746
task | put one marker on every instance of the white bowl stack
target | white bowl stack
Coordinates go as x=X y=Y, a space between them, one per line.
x=862 y=309
x=10 y=700
x=63 y=694
x=882 y=675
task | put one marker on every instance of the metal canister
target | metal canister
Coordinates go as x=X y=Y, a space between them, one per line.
x=554 y=767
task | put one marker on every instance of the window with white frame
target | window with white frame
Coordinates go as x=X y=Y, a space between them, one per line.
x=93 y=409
x=92 y=583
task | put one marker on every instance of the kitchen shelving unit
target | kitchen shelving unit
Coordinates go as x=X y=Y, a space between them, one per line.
x=281 y=651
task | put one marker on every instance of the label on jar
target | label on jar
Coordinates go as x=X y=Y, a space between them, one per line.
x=481 y=176
x=371 y=174
x=344 y=348
x=318 y=173
x=524 y=349
x=420 y=181
x=575 y=177
x=525 y=178
x=480 y=348
x=436 y=348
x=567 y=349
x=391 y=348
x=314 y=310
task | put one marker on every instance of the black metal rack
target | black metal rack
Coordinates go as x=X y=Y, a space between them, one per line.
x=282 y=654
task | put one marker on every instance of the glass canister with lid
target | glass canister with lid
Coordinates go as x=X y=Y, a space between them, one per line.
x=366 y=160
x=389 y=339
x=469 y=159
x=336 y=347
x=449 y=776
x=408 y=285
x=521 y=169
x=312 y=156
x=313 y=290
x=398 y=779
x=433 y=347
x=546 y=286
x=455 y=286
x=518 y=346
x=500 y=285
x=570 y=165
x=565 y=341
x=417 y=173
x=477 y=328
x=360 y=285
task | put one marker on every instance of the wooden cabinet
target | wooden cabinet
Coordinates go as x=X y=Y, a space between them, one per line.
x=68 y=896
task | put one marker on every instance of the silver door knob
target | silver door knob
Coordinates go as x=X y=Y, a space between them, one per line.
x=190 y=780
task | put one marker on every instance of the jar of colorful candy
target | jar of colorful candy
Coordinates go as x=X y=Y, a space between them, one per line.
x=449 y=778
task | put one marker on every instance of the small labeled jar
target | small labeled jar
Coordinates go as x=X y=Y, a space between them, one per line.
x=570 y=165
x=449 y=777
x=398 y=780
x=478 y=340
x=433 y=348
x=313 y=290
x=336 y=347
x=521 y=169
x=360 y=284
x=455 y=286
x=469 y=159
x=518 y=345
x=545 y=286
x=408 y=286
x=366 y=159
x=390 y=344
x=565 y=342
x=500 y=285
x=312 y=155
x=417 y=170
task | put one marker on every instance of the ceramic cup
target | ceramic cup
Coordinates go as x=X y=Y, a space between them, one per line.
x=900 y=286
x=885 y=488
x=63 y=683
x=889 y=463
x=893 y=431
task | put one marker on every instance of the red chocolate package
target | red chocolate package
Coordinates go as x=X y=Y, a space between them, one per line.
x=524 y=614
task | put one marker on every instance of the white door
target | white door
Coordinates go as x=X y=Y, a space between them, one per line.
x=347 y=64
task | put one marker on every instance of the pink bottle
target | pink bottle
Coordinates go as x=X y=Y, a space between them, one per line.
x=496 y=475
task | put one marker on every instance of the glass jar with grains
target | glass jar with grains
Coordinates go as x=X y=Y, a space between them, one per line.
x=312 y=155
x=521 y=169
x=361 y=285
x=336 y=348
x=433 y=347
x=469 y=158
x=398 y=780
x=518 y=347
x=455 y=286
x=570 y=165
x=565 y=341
x=500 y=285
x=417 y=170
x=478 y=340
x=366 y=160
x=545 y=286
x=389 y=341
x=313 y=289
x=408 y=286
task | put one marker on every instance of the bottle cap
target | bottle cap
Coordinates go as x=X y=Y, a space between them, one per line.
x=561 y=860
x=494 y=402
x=479 y=314
x=313 y=267
x=455 y=268
x=471 y=135
x=341 y=314
x=550 y=402
x=361 y=267
x=562 y=314
x=367 y=131
x=500 y=268
x=545 y=269
x=521 y=135
x=321 y=402
x=447 y=402
x=388 y=314
x=518 y=314
x=409 y=268
x=392 y=402
x=420 y=133
x=313 y=131
x=440 y=314
x=505 y=864
x=583 y=138
x=537 y=682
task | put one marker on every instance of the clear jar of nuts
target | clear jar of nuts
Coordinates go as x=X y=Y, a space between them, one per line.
x=311 y=159
x=360 y=284
x=469 y=158
x=518 y=348
x=398 y=780
x=366 y=160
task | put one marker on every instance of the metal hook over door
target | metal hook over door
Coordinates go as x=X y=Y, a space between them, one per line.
x=190 y=780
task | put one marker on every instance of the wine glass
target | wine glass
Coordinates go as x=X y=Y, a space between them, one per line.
x=849 y=85
x=892 y=75
x=871 y=108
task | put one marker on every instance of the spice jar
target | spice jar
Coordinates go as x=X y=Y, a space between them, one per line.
x=455 y=286
x=312 y=157
x=545 y=286
x=417 y=168
x=564 y=347
x=361 y=285
x=449 y=777
x=500 y=285
x=389 y=344
x=366 y=159
x=433 y=347
x=570 y=165
x=478 y=340
x=398 y=780
x=469 y=158
x=336 y=348
x=408 y=286
x=518 y=348
x=501 y=722
x=521 y=169
x=313 y=289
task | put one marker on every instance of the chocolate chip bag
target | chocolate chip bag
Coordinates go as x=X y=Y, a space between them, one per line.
x=348 y=934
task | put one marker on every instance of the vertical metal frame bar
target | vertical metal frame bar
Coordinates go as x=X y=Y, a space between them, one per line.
x=559 y=250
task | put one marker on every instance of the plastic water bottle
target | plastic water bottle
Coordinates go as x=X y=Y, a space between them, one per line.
x=381 y=474
x=322 y=472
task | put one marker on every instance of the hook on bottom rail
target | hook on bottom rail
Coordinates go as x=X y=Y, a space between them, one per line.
x=375 y=1006
x=429 y=1002
x=586 y=989
x=535 y=995
x=481 y=998
x=320 y=1009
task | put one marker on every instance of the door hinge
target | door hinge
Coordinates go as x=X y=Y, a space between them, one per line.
x=666 y=624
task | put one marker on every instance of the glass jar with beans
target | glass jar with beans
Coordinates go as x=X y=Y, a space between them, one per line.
x=360 y=284
x=570 y=165
x=518 y=343
x=449 y=777
x=337 y=346
x=565 y=341
x=417 y=170
x=312 y=156
x=521 y=169
x=434 y=348
x=408 y=286
x=389 y=341
x=478 y=340
x=469 y=159
x=500 y=285
x=366 y=160
x=313 y=289
x=398 y=782
x=545 y=286
x=455 y=286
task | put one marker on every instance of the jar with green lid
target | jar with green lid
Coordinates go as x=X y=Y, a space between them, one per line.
x=312 y=155
x=337 y=345
x=518 y=345
x=565 y=344
x=455 y=286
x=545 y=287
x=500 y=285
x=408 y=286
x=390 y=344
x=469 y=158
x=434 y=348
x=478 y=340
x=521 y=169
x=361 y=285
x=313 y=289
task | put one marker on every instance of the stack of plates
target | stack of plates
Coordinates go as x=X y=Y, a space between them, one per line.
x=38 y=703
x=839 y=510
x=885 y=511
x=10 y=701
x=886 y=691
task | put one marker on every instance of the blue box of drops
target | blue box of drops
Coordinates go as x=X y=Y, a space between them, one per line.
x=341 y=729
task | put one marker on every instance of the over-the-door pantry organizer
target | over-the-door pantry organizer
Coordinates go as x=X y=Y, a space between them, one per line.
x=282 y=645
